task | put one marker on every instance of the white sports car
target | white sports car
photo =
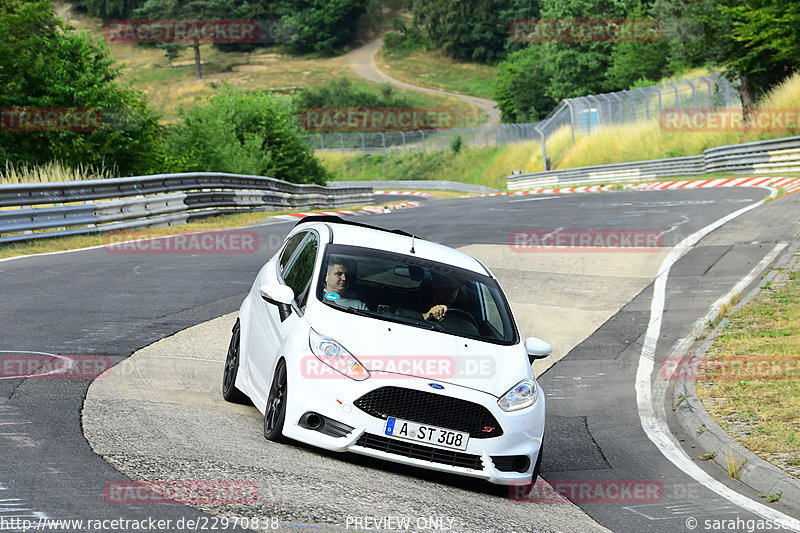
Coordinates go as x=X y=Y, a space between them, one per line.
x=360 y=339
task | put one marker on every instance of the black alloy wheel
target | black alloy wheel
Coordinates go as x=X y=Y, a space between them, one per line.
x=229 y=390
x=275 y=413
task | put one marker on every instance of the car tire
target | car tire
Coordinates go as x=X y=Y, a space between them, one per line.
x=275 y=411
x=229 y=390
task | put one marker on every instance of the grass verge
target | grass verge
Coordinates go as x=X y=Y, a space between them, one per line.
x=752 y=387
x=435 y=70
x=487 y=166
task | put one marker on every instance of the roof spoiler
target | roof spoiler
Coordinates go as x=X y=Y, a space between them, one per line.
x=332 y=219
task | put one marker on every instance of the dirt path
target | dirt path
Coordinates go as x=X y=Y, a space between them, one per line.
x=362 y=61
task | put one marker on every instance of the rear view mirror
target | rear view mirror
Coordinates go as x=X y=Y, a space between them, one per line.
x=413 y=272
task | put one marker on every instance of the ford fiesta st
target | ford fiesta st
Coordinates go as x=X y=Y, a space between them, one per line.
x=360 y=339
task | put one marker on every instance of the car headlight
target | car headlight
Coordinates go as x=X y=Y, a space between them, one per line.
x=336 y=356
x=522 y=395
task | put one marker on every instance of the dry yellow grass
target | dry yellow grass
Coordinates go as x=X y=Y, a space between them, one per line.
x=52 y=171
x=785 y=96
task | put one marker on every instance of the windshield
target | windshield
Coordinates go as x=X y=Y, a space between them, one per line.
x=415 y=291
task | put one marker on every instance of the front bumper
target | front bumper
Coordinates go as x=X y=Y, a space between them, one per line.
x=335 y=397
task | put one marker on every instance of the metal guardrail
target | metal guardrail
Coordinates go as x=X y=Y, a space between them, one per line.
x=400 y=185
x=763 y=157
x=94 y=206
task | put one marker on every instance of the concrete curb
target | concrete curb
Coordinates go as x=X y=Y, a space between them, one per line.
x=755 y=472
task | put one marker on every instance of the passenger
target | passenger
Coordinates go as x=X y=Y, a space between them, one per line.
x=337 y=281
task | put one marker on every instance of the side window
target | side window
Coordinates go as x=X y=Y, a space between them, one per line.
x=298 y=274
x=291 y=246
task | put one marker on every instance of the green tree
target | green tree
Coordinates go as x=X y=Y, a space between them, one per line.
x=46 y=64
x=766 y=34
x=109 y=9
x=248 y=133
x=188 y=10
x=473 y=30
x=633 y=60
x=323 y=25
x=521 y=87
x=694 y=34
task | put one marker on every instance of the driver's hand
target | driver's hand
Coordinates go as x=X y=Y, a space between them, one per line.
x=437 y=312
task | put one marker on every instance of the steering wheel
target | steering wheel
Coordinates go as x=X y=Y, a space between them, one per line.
x=460 y=313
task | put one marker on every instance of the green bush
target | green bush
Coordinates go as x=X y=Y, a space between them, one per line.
x=344 y=93
x=403 y=43
x=45 y=64
x=244 y=133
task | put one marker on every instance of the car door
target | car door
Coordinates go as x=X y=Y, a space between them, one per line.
x=294 y=268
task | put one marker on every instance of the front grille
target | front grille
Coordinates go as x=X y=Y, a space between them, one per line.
x=418 y=451
x=431 y=409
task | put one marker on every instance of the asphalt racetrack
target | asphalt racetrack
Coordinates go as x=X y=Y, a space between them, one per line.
x=159 y=416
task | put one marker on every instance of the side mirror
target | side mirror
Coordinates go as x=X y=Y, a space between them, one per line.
x=537 y=348
x=280 y=295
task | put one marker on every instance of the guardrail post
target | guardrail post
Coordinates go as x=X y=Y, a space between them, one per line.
x=621 y=110
x=341 y=141
x=363 y=144
x=423 y=140
x=403 y=135
x=646 y=103
x=677 y=99
x=544 y=149
x=710 y=97
x=727 y=92
x=572 y=119
x=383 y=142
x=694 y=95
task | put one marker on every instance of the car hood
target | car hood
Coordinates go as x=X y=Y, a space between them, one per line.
x=388 y=349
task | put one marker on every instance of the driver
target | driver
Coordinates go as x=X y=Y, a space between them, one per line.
x=337 y=280
x=444 y=293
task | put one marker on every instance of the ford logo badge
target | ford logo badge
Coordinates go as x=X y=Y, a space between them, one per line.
x=436 y=386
